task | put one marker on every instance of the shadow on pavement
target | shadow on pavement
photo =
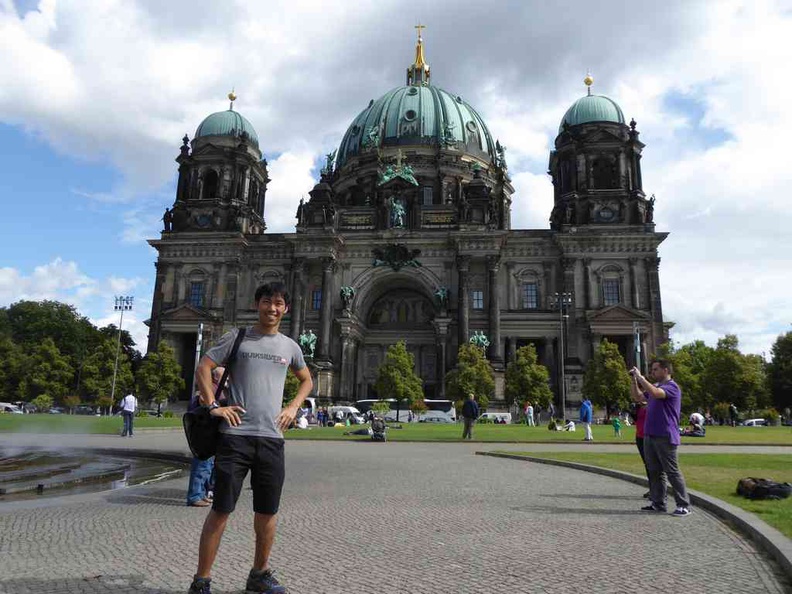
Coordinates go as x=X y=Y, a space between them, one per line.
x=170 y=497
x=99 y=584
x=595 y=496
x=579 y=510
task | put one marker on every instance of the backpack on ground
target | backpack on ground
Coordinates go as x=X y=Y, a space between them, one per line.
x=759 y=488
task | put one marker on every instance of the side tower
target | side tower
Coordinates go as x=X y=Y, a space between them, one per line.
x=219 y=208
x=604 y=227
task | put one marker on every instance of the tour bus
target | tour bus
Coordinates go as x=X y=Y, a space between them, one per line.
x=444 y=406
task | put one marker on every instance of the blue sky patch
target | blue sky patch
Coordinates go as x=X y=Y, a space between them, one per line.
x=693 y=109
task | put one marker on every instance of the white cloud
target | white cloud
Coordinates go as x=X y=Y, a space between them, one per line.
x=122 y=81
x=63 y=281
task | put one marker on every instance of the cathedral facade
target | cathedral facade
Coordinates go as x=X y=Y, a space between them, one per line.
x=407 y=236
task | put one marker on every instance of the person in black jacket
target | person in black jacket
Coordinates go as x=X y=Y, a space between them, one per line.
x=470 y=412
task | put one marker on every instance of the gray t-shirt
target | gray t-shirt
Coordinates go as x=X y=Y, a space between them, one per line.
x=256 y=378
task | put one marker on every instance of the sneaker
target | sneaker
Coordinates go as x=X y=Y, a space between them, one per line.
x=653 y=508
x=263 y=582
x=200 y=586
x=681 y=511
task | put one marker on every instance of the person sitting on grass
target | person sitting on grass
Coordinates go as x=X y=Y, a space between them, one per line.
x=569 y=426
x=695 y=430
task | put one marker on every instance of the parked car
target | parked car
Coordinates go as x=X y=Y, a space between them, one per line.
x=503 y=418
x=755 y=423
x=84 y=409
x=344 y=413
x=434 y=416
x=12 y=409
x=57 y=410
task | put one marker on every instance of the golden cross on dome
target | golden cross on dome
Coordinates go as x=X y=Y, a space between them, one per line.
x=419 y=27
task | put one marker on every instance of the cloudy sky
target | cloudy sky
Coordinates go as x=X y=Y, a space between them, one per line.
x=96 y=95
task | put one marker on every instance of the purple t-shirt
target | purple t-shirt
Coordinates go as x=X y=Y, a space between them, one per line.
x=662 y=414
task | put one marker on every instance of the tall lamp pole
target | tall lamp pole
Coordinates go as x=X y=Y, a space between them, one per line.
x=563 y=300
x=122 y=304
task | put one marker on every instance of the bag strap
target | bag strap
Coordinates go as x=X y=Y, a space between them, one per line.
x=229 y=361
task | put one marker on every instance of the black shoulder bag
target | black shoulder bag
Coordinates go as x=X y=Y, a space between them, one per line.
x=201 y=428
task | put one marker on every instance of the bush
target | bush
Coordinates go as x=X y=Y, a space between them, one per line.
x=485 y=421
x=168 y=414
x=771 y=415
x=142 y=414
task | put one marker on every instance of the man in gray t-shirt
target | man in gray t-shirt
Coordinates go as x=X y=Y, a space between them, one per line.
x=251 y=433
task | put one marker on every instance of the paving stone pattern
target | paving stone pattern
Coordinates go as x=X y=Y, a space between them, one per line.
x=387 y=518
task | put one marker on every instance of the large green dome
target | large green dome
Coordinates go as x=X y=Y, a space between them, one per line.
x=592 y=108
x=417 y=115
x=227 y=123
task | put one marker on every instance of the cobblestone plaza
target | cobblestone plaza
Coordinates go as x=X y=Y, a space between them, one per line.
x=385 y=518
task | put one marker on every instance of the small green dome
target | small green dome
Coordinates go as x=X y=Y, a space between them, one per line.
x=227 y=123
x=417 y=115
x=592 y=108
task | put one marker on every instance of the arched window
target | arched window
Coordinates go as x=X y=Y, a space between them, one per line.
x=603 y=173
x=197 y=288
x=210 y=183
x=529 y=289
x=610 y=280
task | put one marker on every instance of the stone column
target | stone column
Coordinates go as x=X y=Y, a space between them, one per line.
x=495 y=350
x=463 y=299
x=549 y=287
x=655 y=305
x=441 y=337
x=587 y=283
x=232 y=281
x=569 y=287
x=347 y=366
x=634 y=297
x=326 y=314
x=297 y=300
x=511 y=302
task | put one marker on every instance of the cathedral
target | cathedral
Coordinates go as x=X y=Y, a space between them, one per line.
x=407 y=236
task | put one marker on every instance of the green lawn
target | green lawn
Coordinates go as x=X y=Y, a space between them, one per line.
x=76 y=423
x=521 y=433
x=409 y=432
x=713 y=474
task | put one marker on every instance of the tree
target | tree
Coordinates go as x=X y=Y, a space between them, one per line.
x=290 y=386
x=47 y=371
x=70 y=401
x=97 y=373
x=606 y=382
x=473 y=373
x=396 y=377
x=160 y=375
x=42 y=402
x=527 y=379
x=734 y=377
x=689 y=362
x=779 y=372
x=11 y=371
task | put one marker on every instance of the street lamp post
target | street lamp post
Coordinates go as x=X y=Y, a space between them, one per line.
x=122 y=304
x=563 y=300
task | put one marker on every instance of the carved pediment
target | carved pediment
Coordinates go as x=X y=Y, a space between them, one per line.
x=616 y=314
x=186 y=313
x=603 y=136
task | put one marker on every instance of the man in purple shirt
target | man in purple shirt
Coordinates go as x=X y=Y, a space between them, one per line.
x=661 y=436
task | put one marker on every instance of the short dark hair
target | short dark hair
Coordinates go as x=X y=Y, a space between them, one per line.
x=272 y=290
x=665 y=364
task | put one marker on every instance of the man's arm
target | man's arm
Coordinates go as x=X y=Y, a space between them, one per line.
x=647 y=386
x=289 y=413
x=203 y=377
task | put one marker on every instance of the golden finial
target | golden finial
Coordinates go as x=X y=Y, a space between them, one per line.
x=420 y=61
x=232 y=97
x=588 y=81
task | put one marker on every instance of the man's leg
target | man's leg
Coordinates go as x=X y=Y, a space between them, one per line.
x=131 y=423
x=668 y=458
x=212 y=533
x=657 y=486
x=125 y=418
x=265 y=526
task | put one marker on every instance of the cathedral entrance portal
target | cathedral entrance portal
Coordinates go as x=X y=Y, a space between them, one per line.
x=399 y=314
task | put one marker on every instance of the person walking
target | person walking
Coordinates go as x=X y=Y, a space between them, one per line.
x=251 y=433
x=586 y=416
x=529 y=414
x=470 y=412
x=199 y=487
x=128 y=406
x=661 y=437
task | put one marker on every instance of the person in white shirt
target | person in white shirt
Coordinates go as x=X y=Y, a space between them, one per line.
x=128 y=407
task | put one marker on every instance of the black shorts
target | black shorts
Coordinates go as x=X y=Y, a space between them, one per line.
x=263 y=456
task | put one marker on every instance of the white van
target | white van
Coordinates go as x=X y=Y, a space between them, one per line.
x=502 y=418
x=7 y=407
x=342 y=413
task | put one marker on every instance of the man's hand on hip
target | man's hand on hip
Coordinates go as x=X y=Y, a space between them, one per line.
x=229 y=413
